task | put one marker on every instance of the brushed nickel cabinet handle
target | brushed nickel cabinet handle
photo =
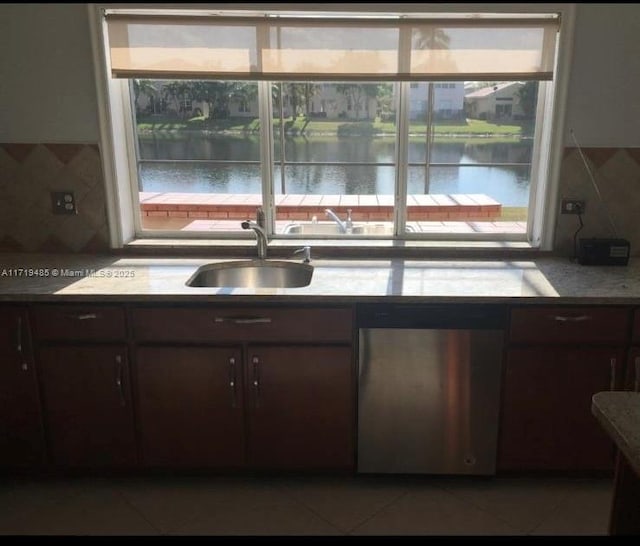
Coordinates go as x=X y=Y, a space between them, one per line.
x=255 y=361
x=612 y=386
x=19 y=347
x=232 y=381
x=243 y=320
x=636 y=379
x=82 y=316
x=123 y=401
x=579 y=318
x=19 y=335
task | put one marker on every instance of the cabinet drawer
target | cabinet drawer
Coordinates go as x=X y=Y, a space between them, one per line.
x=569 y=325
x=80 y=322
x=221 y=324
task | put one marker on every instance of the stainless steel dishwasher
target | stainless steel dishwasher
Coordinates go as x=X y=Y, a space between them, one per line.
x=429 y=388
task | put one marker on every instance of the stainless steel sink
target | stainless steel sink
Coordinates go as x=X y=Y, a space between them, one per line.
x=253 y=274
x=331 y=229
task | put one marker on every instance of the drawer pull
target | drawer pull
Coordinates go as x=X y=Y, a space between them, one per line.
x=636 y=380
x=232 y=381
x=23 y=366
x=243 y=320
x=256 y=380
x=82 y=316
x=123 y=402
x=579 y=318
x=612 y=386
x=19 y=336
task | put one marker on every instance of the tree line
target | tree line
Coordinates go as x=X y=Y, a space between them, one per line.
x=218 y=95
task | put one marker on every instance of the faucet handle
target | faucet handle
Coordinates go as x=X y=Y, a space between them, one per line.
x=348 y=223
x=307 y=253
x=260 y=217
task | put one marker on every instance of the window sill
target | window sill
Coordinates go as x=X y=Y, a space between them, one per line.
x=337 y=248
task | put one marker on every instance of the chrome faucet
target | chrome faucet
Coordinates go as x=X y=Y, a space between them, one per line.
x=306 y=253
x=346 y=226
x=261 y=236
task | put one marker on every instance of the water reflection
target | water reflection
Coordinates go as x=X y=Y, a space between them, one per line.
x=507 y=184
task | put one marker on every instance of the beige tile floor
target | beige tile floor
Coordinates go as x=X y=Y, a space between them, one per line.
x=249 y=505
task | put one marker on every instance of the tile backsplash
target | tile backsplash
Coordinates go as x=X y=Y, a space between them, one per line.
x=28 y=175
x=30 y=172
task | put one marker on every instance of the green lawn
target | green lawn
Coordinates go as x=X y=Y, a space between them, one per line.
x=302 y=126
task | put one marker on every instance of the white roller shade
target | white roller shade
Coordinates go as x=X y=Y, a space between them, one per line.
x=325 y=49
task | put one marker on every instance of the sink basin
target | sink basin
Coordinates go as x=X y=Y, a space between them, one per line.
x=253 y=274
x=332 y=229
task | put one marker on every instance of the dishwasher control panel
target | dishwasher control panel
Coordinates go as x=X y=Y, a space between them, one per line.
x=451 y=316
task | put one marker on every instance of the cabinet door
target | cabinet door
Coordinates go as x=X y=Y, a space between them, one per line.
x=190 y=406
x=546 y=419
x=87 y=402
x=300 y=407
x=21 y=433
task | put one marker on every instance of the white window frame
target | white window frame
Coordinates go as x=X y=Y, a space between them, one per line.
x=119 y=154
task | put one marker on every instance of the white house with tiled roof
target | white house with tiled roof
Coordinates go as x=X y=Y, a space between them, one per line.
x=495 y=102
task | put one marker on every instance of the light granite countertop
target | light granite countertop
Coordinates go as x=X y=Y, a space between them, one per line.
x=65 y=277
x=619 y=414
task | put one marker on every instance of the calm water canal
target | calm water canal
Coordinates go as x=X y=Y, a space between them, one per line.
x=507 y=184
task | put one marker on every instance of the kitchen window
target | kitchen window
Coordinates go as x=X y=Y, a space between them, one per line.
x=404 y=134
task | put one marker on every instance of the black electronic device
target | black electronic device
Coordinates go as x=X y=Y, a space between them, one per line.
x=601 y=251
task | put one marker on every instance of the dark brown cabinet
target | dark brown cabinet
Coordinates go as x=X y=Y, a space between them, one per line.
x=300 y=407
x=273 y=387
x=557 y=359
x=21 y=432
x=259 y=388
x=87 y=400
x=83 y=362
x=190 y=407
x=546 y=422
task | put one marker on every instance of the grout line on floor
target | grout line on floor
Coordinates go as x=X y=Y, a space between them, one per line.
x=497 y=516
x=34 y=510
x=284 y=490
x=564 y=496
x=375 y=513
x=137 y=510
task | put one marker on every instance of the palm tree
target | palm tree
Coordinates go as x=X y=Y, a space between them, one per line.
x=433 y=38
x=436 y=40
x=358 y=92
x=293 y=92
x=219 y=94
x=308 y=91
x=528 y=95
x=384 y=98
x=175 y=91
x=145 y=87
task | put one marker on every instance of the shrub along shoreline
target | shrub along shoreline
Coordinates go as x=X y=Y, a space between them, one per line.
x=470 y=128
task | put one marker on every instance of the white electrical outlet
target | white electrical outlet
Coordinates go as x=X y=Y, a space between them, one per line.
x=572 y=206
x=63 y=202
